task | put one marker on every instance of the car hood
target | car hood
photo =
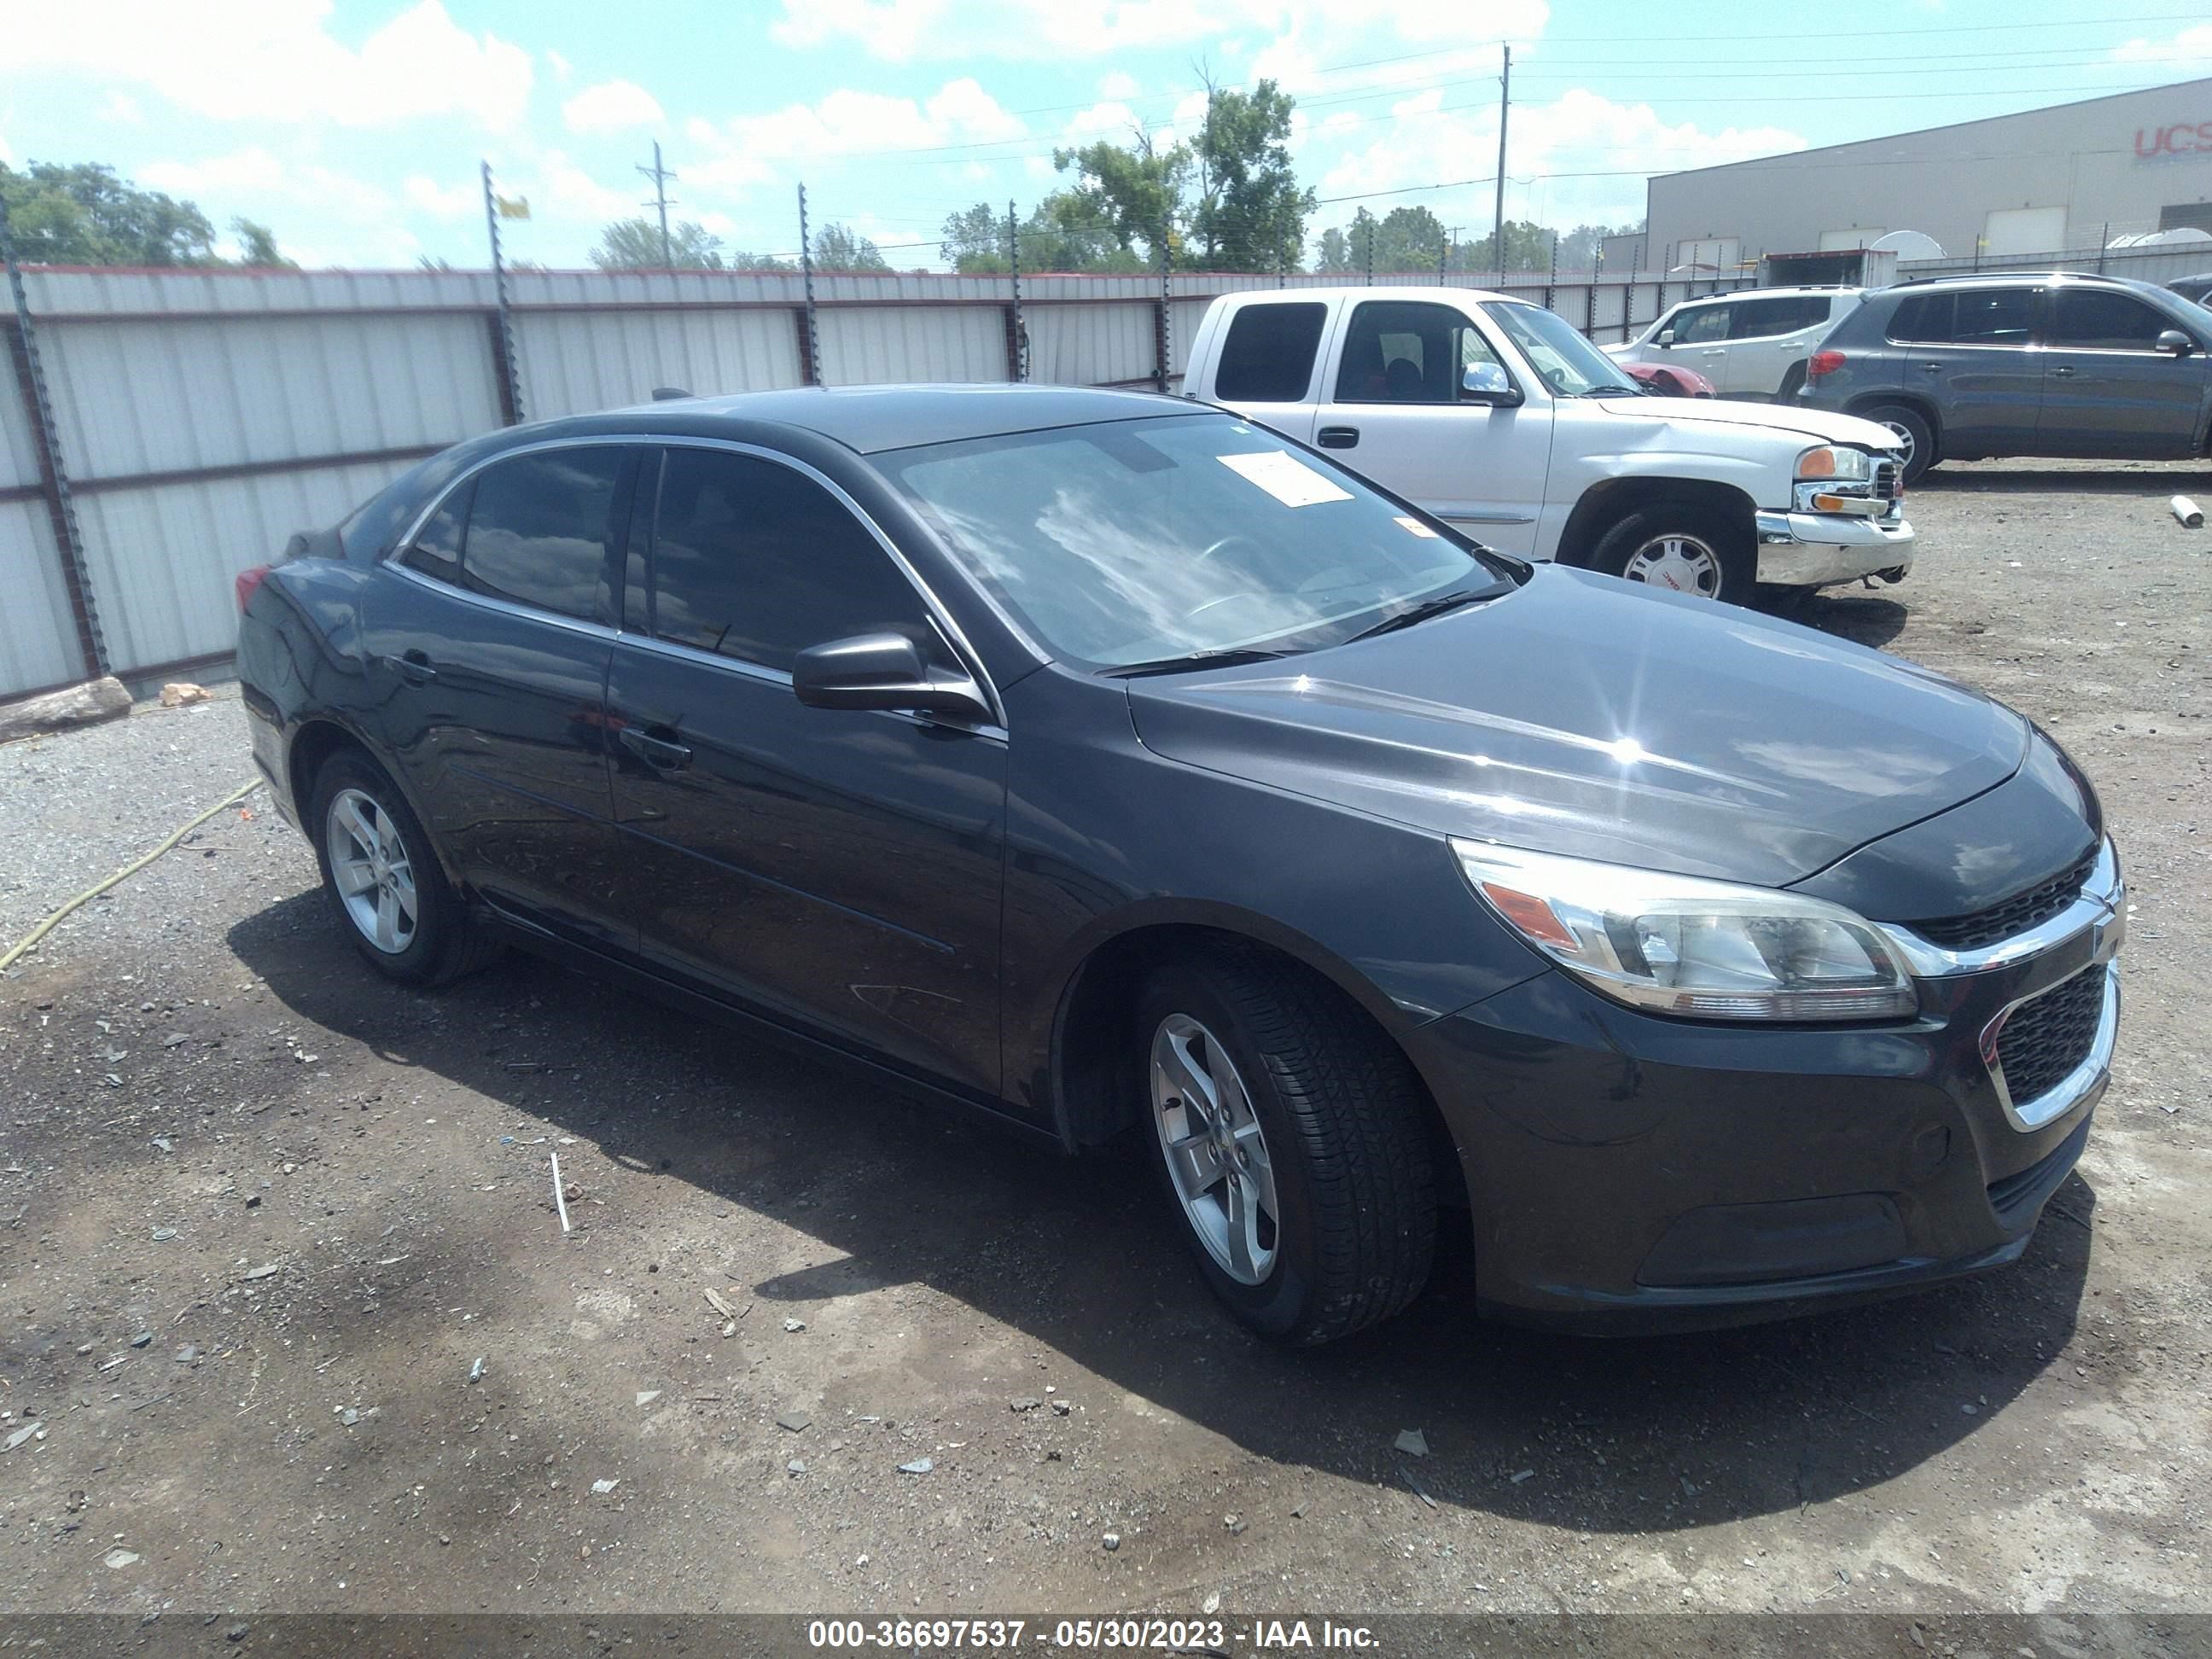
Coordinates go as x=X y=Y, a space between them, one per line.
x=1585 y=715
x=1816 y=425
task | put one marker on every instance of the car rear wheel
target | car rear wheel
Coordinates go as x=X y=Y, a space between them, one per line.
x=1289 y=1135
x=1682 y=546
x=1915 y=436
x=383 y=881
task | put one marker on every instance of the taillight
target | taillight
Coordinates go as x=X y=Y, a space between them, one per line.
x=248 y=581
x=1823 y=362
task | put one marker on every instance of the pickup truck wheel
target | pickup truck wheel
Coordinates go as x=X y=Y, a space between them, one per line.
x=1914 y=435
x=1289 y=1133
x=1682 y=546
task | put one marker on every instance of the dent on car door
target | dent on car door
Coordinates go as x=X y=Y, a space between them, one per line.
x=487 y=639
x=2107 y=390
x=836 y=868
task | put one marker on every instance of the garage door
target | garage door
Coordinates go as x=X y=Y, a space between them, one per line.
x=2025 y=230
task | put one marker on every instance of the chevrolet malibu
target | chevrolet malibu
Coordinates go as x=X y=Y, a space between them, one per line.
x=1109 y=765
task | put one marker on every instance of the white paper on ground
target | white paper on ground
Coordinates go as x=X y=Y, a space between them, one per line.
x=1285 y=477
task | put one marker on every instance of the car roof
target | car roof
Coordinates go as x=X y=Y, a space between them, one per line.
x=1790 y=291
x=869 y=419
x=2063 y=278
x=1428 y=289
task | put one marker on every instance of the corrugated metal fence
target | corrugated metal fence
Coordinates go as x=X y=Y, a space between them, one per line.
x=200 y=417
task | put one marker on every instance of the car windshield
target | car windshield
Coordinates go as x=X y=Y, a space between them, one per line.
x=1569 y=364
x=1150 y=541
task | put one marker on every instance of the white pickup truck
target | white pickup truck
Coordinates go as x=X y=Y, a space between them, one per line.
x=1499 y=417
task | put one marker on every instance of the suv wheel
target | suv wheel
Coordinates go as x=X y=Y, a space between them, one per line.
x=1683 y=546
x=1914 y=435
x=1289 y=1138
x=383 y=880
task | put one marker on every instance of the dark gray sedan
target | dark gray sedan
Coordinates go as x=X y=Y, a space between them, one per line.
x=1107 y=764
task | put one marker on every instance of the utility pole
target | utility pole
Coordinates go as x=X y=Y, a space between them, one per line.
x=1504 y=100
x=1021 y=354
x=1451 y=241
x=510 y=381
x=660 y=176
x=806 y=269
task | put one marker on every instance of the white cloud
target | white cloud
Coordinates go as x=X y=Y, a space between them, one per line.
x=1117 y=84
x=558 y=188
x=562 y=67
x=901 y=29
x=446 y=202
x=611 y=106
x=121 y=107
x=747 y=150
x=2190 y=45
x=275 y=60
x=247 y=180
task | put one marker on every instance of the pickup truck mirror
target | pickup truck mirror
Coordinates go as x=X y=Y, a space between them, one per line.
x=1665 y=338
x=1486 y=383
x=2174 y=343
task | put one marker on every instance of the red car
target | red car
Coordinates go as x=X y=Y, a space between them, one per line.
x=1668 y=380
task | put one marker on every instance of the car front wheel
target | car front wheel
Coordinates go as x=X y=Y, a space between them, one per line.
x=1289 y=1135
x=1682 y=546
x=383 y=881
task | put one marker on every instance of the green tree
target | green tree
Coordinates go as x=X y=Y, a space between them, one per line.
x=85 y=214
x=1251 y=214
x=742 y=261
x=837 y=248
x=256 y=246
x=635 y=244
x=1528 y=247
x=1134 y=196
x=1060 y=233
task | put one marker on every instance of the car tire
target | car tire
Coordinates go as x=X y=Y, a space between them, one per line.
x=1329 y=1119
x=1914 y=429
x=1681 y=545
x=382 y=879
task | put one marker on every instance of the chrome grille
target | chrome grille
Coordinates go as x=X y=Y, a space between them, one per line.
x=2016 y=915
x=2047 y=1036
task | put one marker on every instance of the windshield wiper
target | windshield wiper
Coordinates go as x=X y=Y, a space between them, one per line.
x=1425 y=609
x=1610 y=390
x=1222 y=659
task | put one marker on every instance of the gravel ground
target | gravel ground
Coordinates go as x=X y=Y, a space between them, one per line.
x=321 y=1199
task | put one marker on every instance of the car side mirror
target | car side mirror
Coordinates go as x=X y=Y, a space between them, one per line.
x=2174 y=343
x=1486 y=383
x=1664 y=337
x=881 y=671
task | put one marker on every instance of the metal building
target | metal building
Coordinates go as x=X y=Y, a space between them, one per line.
x=2070 y=177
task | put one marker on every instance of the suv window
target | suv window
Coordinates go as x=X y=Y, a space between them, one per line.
x=1758 y=319
x=1268 y=356
x=540 y=527
x=1399 y=351
x=1995 y=316
x=753 y=560
x=2097 y=319
x=1695 y=324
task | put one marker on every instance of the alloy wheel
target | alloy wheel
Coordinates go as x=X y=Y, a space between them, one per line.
x=372 y=872
x=1216 y=1151
x=1906 y=443
x=1684 y=564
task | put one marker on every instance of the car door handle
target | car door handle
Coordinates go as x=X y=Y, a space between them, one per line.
x=414 y=667
x=662 y=754
x=1339 y=437
x=2063 y=371
x=1930 y=369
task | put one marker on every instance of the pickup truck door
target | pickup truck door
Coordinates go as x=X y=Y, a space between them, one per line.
x=1264 y=362
x=1394 y=410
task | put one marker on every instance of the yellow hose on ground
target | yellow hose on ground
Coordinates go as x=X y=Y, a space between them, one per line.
x=8 y=959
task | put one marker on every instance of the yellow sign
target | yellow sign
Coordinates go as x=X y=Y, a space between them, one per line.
x=513 y=207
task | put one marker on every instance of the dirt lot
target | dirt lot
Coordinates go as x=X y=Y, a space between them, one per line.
x=261 y=1214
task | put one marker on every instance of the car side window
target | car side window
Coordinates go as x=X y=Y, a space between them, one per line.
x=1268 y=355
x=2092 y=319
x=1758 y=319
x=1399 y=351
x=436 y=550
x=1702 y=324
x=541 y=527
x=1922 y=319
x=753 y=560
x=2003 y=316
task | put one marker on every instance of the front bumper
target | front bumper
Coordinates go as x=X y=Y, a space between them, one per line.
x=1818 y=550
x=1631 y=1173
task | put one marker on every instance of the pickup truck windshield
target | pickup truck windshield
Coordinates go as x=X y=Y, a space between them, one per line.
x=1151 y=541
x=1569 y=364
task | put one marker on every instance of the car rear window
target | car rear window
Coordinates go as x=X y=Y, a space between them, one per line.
x=1757 y=319
x=1999 y=316
x=541 y=526
x=1268 y=356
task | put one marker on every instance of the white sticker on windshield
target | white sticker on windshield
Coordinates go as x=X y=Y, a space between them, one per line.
x=1285 y=477
x=1414 y=527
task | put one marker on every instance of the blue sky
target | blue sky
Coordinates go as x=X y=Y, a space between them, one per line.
x=355 y=128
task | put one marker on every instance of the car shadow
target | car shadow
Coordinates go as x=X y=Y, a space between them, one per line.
x=1857 y=614
x=1981 y=479
x=1613 y=1435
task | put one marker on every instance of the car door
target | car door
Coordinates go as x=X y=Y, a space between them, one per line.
x=1266 y=368
x=1701 y=340
x=838 y=868
x=486 y=640
x=1767 y=337
x=1399 y=411
x=2107 y=390
x=1971 y=353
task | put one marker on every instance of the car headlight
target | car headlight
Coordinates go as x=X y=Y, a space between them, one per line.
x=1701 y=949
x=1833 y=461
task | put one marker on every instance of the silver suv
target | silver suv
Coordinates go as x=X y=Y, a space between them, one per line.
x=1752 y=343
x=2013 y=363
